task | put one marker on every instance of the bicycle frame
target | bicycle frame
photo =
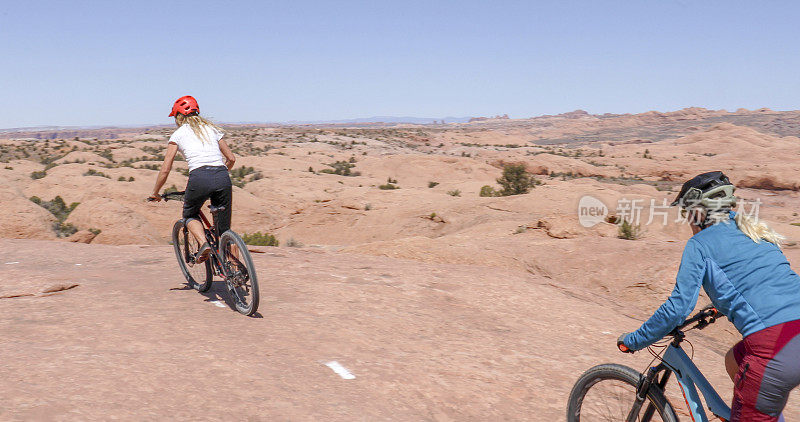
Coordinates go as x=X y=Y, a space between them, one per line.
x=690 y=379
x=212 y=238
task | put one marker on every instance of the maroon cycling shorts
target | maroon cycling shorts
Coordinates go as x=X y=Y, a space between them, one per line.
x=769 y=368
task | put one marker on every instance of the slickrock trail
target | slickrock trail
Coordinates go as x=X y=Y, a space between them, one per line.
x=424 y=341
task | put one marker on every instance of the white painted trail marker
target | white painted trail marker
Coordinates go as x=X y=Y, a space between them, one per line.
x=218 y=304
x=11 y=263
x=340 y=370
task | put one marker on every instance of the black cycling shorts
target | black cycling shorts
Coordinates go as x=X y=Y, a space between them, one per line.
x=209 y=182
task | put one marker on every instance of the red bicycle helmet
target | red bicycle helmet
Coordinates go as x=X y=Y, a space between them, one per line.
x=185 y=105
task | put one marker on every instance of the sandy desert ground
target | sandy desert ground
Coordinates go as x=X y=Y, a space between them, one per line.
x=445 y=305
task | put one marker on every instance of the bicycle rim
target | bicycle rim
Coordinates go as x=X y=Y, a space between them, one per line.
x=607 y=393
x=199 y=276
x=241 y=281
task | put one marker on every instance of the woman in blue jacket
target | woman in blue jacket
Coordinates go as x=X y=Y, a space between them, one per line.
x=739 y=264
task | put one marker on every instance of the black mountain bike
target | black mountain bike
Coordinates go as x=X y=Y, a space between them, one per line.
x=229 y=259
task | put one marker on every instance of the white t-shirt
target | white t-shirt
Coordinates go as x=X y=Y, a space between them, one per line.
x=199 y=153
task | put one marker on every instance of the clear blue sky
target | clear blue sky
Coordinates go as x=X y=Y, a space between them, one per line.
x=125 y=62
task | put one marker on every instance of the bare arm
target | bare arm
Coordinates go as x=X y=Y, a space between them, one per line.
x=230 y=159
x=166 y=167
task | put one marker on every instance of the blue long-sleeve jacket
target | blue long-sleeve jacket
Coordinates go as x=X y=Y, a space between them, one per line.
x=751 y=283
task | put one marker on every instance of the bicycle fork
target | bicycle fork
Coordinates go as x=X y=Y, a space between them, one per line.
x=645 y=383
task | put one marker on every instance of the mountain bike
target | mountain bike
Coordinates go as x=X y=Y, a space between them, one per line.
x=229 y=258
x=613 y=392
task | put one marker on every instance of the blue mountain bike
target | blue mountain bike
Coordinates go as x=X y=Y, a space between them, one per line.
x=613 y=392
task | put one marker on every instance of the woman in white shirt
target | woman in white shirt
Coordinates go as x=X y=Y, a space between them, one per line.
x=209 y=159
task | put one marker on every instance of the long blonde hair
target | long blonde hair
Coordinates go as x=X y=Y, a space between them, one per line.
x=196 y=122
x=753 y=228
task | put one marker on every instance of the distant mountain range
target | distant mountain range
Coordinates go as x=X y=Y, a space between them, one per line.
x=385 y=119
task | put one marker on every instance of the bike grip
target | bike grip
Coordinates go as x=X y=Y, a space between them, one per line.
x=621 y=345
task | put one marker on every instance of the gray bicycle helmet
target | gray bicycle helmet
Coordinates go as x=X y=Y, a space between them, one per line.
x=711 y=190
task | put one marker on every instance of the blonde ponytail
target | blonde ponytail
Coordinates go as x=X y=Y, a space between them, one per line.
x=757 y=230
x=196 y=122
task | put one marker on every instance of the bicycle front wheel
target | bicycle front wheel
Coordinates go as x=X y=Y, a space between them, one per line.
x=608 y=392
x=241 y=278
x=198 y=276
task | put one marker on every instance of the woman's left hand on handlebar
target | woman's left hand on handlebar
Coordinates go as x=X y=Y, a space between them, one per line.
x=154 y=197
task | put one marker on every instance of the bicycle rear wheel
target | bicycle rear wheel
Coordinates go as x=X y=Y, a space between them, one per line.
x=198 y=276
x=607 y=393
x=241 y=280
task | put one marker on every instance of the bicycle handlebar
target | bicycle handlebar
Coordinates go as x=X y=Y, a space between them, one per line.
x=169 y=195
x=703 y=318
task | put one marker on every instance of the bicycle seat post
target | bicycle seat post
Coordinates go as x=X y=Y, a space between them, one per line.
x=215 y=221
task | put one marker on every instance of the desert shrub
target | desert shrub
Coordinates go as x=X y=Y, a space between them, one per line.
x=38 y=174
x=310 y=169
x=367 y=207
x=487 y=190
x=432 y=184
x=121 y=179
x=9 y=168
x=131 y=179
x=171 y=189
x=516 y=180
x=239 y=176
x=64 y=229
x=260 y=239
x=61 y=211
x=95 y=231
x=241 y=172
x=342 y=168
x=629 y=231
x=392 y=181
x=454 y=192
x=93 y=172
x=293 y=243
x=107 y=155
x=56 y=206
x=388 y=186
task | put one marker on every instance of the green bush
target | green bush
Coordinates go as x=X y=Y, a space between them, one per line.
x=629 y=231
x=516 y=180
x=454 y=192
x=38 y=174
x=432 y=184
x=239 y=176
x=388 y=186
x=56 y=206
x=64 y=229
x=487 y=190
x=93 y=172
x=342 y=168
x=260 y=239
